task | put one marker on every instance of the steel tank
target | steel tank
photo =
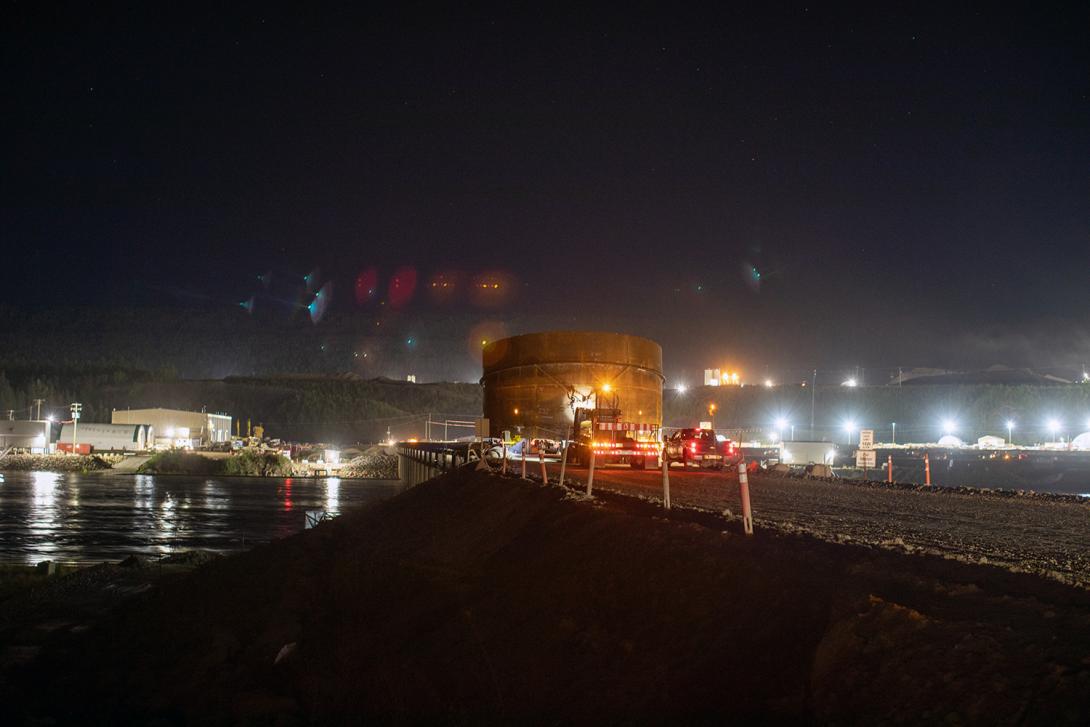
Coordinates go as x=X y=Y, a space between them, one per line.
x=533 y=382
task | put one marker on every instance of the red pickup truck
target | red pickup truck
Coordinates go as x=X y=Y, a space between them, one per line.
x=700 y=447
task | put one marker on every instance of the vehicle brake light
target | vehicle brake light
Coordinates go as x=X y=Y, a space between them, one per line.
x=692 y=447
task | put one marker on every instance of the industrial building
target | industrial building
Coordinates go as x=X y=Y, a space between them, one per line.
x=32 y=435
x=178 y=428
x=533 y=383
x=91 y=436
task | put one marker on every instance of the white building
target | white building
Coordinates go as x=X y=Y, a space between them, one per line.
x=32 y=435
x=179 y=428
x=107 y=437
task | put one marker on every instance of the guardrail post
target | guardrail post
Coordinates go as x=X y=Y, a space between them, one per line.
x=665 y=483
x=563 y=464
x=524 y=459
x=544 y=474
x=747 y=511
x=504 y=469
x=590 y=474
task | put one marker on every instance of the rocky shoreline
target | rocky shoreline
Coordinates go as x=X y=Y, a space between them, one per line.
x=53 y=463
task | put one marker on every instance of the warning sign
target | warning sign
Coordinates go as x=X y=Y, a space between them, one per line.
x=866 y=439
x=865 y=458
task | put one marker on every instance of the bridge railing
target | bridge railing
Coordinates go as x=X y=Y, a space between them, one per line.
x=420 y=461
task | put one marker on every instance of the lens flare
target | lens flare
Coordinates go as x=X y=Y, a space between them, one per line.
x=402 y=287
x=366 y=285
x=320 y=304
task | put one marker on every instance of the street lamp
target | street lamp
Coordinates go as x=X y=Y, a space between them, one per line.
x=949 y=426
x=782 y=424
x=1053 y=426
x=849 y=427
x=681 y=388
x=850 y=383
x=895 y=432
x=1010 y=432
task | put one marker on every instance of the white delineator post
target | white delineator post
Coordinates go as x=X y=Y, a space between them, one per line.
x=747 y=510
x=590 y=474
x=563 y=464
x=544 y=474
x=524 y=445
x=665 y=482
x=504 y=470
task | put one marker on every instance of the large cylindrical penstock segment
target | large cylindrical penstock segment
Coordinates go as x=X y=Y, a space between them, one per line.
x=533 y=383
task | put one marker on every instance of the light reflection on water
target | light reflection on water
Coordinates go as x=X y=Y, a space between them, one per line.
x=89 y=517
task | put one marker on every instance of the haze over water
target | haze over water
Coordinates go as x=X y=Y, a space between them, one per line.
x=91 y=517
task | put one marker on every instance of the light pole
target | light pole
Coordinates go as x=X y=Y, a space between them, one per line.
x=76 y=409
x=1010 y=432
x=813 y=399
x=895 y=432
x=1053 y=427
x=849 y=428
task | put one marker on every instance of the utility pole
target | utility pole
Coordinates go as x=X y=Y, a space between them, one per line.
x=77 y=409
x=813 y=398
x=38 y=403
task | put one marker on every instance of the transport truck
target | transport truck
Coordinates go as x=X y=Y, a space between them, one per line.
x=612 y=439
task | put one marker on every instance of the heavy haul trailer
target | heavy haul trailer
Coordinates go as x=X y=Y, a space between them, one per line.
x=613 y=440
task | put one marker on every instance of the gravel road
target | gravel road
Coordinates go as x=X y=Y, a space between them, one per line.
x=1032 y=534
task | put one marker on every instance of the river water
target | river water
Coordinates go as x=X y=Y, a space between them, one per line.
x=92 y=517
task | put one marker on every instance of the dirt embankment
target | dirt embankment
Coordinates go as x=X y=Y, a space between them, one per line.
x=480 y=598
x=247 y=463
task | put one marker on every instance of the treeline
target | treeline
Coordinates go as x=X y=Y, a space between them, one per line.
x=342 y=409
x=918 y=410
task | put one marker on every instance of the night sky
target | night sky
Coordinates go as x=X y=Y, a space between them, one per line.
x=772 y=186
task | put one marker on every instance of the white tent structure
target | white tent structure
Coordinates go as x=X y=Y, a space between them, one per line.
x=950 y=441
x=1081 y=442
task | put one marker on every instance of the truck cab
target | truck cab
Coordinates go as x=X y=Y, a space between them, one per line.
x=612 y=440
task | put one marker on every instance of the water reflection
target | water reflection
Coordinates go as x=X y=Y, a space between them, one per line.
x=332 y=494
x=216 y=497
x=42 y=517
x=91 y=517
x=286 y=490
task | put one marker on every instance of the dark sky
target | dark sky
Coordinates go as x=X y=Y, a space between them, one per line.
x=913 y=188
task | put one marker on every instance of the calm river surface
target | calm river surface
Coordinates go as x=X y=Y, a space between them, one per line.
x=90 y=517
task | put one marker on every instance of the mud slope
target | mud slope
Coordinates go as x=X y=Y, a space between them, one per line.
x=477 y=598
